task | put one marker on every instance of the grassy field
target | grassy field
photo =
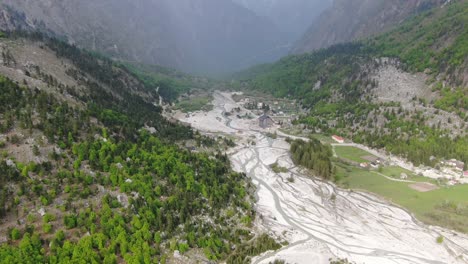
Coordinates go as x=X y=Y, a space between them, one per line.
x=195 y=104
x=352 y=153
x=395 y=172
x=447 y=206
x=323 y=138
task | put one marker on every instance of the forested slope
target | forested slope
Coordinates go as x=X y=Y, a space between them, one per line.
x=91 y=172
x=342 y=86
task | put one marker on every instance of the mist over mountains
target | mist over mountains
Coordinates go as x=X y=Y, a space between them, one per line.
x=192 y=35
x=207 y=36
x=292 y=17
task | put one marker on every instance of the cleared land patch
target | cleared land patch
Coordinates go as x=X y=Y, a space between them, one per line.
x=423 y=187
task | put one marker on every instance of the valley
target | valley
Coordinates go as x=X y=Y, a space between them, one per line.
x=133 y=131
x=318 y=219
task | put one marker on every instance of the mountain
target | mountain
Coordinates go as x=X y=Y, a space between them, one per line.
x=196 y=36
x=348 y=20
x=404 y=91
x=292 y=17
x=92 y=172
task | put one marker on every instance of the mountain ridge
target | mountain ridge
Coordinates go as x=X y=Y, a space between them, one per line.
x=349 y=20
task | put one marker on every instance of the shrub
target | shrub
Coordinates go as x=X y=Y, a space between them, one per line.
x=440 y=239
x=70 y=221
x=15 y=234
x=47 y=228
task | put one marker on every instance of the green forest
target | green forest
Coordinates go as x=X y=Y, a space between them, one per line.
x=313 y=155
x=112 y=191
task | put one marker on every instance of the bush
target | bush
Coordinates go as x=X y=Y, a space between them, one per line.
x=70 y=221
x=48 y=218
x=47 y=228
x=440 y=239
x=15 y=234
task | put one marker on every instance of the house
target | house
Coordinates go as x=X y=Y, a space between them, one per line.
x=265 y=121
x=364 y=165
x=338 y=139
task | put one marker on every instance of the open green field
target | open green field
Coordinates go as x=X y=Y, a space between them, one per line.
x=352 y=153
x=395 y=172
x=446 y=206
x=195 y=104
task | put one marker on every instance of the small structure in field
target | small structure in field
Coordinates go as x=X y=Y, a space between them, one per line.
x=265 y=121
x=338 y=139
x=364 y=165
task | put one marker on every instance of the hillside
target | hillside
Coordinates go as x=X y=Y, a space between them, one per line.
x=93 y=173
x=196 y=36
x=348 y=20
x=405 y=91
x=292 y=17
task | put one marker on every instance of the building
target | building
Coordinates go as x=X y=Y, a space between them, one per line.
x=465 y=174
x=338 y=139
x=265 y=121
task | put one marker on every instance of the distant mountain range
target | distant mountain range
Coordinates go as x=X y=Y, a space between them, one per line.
x=207 y=36
x=191 y=35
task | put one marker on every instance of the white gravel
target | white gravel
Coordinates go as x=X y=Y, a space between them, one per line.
x=319 y=220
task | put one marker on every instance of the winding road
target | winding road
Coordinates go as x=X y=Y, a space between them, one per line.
x=319 y=220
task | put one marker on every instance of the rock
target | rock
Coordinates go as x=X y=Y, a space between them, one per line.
x=152 y=130
x=123 y=199
x=41 y=211
x=10 y=163
x=403 y=176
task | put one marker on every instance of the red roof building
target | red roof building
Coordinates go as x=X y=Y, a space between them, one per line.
x=338 y=139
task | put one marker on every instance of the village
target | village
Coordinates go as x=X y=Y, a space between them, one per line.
x=277 y=116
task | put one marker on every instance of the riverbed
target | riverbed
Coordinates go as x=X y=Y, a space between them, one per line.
x=319 y=220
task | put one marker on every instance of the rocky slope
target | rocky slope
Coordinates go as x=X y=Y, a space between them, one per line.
x=348 y=20
x=292 y=17
x=194 y=36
